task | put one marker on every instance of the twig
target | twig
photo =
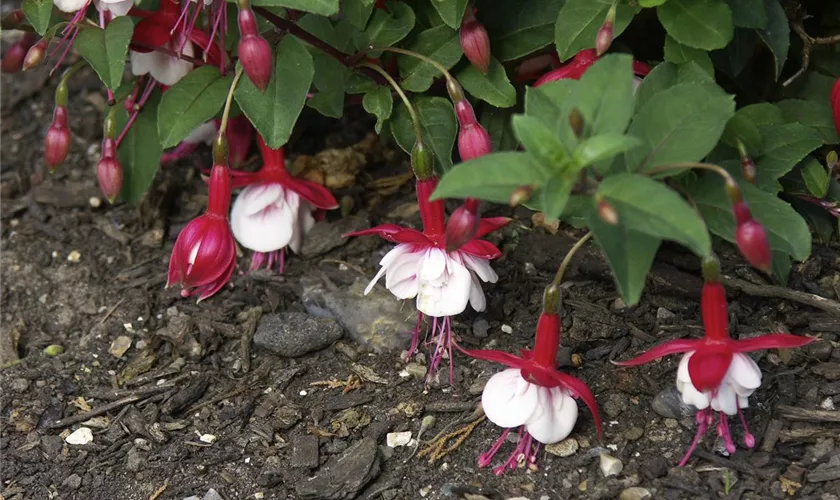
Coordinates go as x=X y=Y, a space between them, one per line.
x=827 y=305
x=158 y=492
x=99 y=410
x=806 y=415
x=302 y=34
x=808 y=43
x=111 y=310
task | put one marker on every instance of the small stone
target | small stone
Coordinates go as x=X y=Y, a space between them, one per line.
x=294 y=334
x=616 y=404
x=54 y=350
x=655 y=467
x=664 y=316
x=343 y=477
x=635 y=493
x=74 y=256
x=207 y=438
x=327 y=235
x=565 y=448
x=507 y=329
x=81 y=436
x=73 y=482
x=305 y=452
x=829 y=370
x=51 y=445
x=20 y=385
x=668 y=403
x=619 y=305
x=394 y=439
x=95 y=202
x=212 y=495
x=610 y=466
x=633 y=433
x=415 y=370
x=119 y=346
x=480 y=328
x=134 y=460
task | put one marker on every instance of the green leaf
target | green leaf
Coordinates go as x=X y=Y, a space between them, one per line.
x=320 y=7
x=812 y=114
x=451 y=11
x=275 y=112
x=662 y=76
x=741 y=127
x=748 y=13
x=691 y=72
x=629 y=254
x=387 y=27
x=497 y=123
x=192 y=101
x=701 y=24
x=106 y=49
x=491 y=177
x=541 y=142
x=519 y=28
x=545 y=103
x=603 y=147
x=786 y=230
x=140 y=150
x=680 y=124
x=579 y=20
x=555 y=195
x=357 y=12
x=784 y=147
x=493 y=88
x=329 y=104
x=678 y=53
x=816 y=178
x=649 y=207
x=437 y=120
x=379 y=103
x=777 y=34
x=763 y=113
x=651 y=3
x=734 y=58
x=604 y=95
x=440 y=43
x=38 y=13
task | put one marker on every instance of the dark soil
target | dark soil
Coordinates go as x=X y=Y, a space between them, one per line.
x=79 y=277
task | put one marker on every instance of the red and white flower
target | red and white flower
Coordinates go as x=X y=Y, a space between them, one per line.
x=715 y=374
x=275 y=210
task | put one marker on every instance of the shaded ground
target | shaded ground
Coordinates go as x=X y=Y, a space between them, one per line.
x=83 y=278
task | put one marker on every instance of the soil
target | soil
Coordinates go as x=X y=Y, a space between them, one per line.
x=191 y=407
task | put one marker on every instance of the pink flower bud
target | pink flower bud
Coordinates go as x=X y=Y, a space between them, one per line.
x=239 y=135
x=254 y=51
x=473 y=141
x=57 y=141
x=13 y=20
x=461 y=228
x=749 y=440
x=13 y=59
x=752 y=242
x=604 y=38
x=607 y=212
x=521 y=195
x=109 y=172
x=35 y=55
x=475 y=42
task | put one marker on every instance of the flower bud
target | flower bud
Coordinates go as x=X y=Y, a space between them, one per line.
x=574 y=69
x=710 y=266
x=475 y=42
x=831 y=161
x=13 y=20
x=35 y=55
x=748 y=169
x=607 y=212
x=520 y=195
x=57 y=140
x=109 y=172
x=752 y=242
x=473 y=141
x=461 y=228
x=604 y=38
x=254 y=50
x=422 y=161
x=576 y=122
x=13 y=58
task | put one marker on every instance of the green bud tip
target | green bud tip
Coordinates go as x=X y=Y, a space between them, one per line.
x=711 y=268
x=551 y=299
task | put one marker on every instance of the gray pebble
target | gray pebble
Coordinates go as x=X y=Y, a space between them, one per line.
x=295 y=334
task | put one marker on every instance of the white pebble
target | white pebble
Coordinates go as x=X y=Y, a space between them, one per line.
x=394 y=439
x=95 y=202
x=82 y=435
x=507 y=329
x=74 y=256
x=610 y=466
x=208 y=438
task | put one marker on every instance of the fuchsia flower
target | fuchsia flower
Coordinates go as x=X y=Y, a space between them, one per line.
x=581 y=62
x=715 y=374
x=159 y=30
x=254 y=51
x=835 y=104
x=57 y=140
x=109 y=171
x=532 y=394
x=204 y=255
x=475 y=43
x=13 y=58
x=275 y=210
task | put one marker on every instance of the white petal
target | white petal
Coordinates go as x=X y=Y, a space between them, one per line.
x=389 y=259
x=264 y=230
x=446 y=296
x=481 y=267
x=434 y=265
x=509 y=400
x=305 y=223
x=205 y=132
x=194 y=253
x=69 y=5
x=256 y=198
x=557 y=418
x=744 y=373
x=690 y=395
x=477 y=299
x=725 y=400
x=116 y=7
x=374 y=280
x=164 y=68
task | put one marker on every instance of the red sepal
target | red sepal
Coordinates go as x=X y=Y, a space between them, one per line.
x=835 y=104
x=316 y=194
x=394 y=234
x=490 y=224
x=771 y=341
x=708 y=365
x=482 y=249
x=714 y=312
x=662 y=350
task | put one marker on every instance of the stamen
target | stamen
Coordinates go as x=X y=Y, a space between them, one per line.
x=703 y=418
x=485 y=458
x=723 y=432
x=749 y=439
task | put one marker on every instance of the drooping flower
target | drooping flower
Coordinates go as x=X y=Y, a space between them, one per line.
x=714 y=374
x=532 y=394
x=109 y=171
x=57 y=140
x=275 y=210
x=750 y=235
x=164 y=47
x=204 y=255
x=254 y=51
x=475 y=42
x=581 y=62
x=442 y=282
x=835 y=104
x=13 y=58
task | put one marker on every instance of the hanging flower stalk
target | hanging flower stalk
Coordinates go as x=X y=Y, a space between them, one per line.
x=715 y=375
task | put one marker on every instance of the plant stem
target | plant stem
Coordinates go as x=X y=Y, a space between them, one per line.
x=558 y=278
x=727 y=177
x=229 y=100
x=446 y=74
x=418 y=131
x=300 y=33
